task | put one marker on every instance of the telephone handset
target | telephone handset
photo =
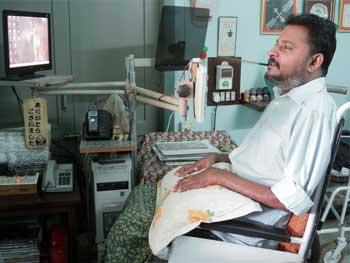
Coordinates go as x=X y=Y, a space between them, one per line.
x=98 y=124
x=92 y=120
x=58 y=177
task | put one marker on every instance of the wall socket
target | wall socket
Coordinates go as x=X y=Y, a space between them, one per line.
x=185 y=126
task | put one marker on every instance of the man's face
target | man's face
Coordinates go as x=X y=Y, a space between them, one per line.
x=289 y=58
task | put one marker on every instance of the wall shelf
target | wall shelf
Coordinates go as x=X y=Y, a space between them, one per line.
x=259 y=106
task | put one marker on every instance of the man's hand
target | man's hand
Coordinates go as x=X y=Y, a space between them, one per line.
x=201 y=164
x=199 y=180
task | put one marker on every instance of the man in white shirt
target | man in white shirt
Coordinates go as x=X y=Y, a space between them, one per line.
x=285 y=155
x=282 y=159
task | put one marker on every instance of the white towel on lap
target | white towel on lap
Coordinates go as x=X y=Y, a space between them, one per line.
x=179 y=212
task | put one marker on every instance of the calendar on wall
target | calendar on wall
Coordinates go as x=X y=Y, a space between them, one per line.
x=227 y=35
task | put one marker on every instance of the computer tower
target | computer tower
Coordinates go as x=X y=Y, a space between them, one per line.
x=112 y=185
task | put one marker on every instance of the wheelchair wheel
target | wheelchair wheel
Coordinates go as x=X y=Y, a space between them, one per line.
x=326 y=253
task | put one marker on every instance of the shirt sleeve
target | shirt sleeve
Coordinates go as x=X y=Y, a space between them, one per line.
x=307 y=157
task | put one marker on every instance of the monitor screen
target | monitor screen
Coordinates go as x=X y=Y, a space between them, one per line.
x=27 y=42
x=181 y=37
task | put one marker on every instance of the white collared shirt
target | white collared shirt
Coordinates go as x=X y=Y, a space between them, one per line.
x=289 y=147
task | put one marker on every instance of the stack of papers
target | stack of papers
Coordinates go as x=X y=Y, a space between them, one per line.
x=185 y=150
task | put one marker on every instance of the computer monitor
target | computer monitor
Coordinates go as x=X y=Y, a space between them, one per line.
x=27 y=43
x=181 y=37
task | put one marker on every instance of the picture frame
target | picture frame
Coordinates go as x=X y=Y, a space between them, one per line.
x=321 y=8
x=227 y=36
x=344 y=16
x=274 y=14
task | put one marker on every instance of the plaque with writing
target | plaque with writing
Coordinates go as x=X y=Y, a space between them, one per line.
x=35 y=123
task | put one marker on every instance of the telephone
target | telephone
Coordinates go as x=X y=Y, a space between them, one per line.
x=58 y=177
x=92 y=120
x=98 y=124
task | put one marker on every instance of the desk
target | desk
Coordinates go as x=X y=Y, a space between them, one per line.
x=45 y=204
x=106 y=146
x=151 y=169
x=44 y=81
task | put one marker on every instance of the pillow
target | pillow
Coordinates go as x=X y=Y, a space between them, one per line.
x=179 y=212
x=296 y=228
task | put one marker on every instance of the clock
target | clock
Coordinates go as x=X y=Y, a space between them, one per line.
x=320 y=10
x=275 y=13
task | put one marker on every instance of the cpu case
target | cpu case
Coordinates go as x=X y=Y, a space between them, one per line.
x=112 y=185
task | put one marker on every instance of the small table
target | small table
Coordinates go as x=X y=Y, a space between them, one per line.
x=152 y=169
x=44 y=204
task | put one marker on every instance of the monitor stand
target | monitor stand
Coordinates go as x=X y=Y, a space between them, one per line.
x=23 y=77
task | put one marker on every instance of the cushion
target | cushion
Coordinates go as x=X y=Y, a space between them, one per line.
x=296 y=228
x=179 y=212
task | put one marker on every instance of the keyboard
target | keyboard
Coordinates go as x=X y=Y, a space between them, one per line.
x=186 y=147
x=64 y=178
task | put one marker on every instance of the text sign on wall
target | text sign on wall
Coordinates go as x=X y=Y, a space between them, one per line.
x=35 y=123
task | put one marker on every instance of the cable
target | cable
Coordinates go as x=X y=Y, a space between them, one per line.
x=62 y=147
x=170 y=117
x=16 y=94
x=89 y=173
x=182 y=75
x=19 y=103
x=214 y=119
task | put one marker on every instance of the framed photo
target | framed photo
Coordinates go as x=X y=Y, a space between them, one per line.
x=227 y=34
x=344 y=16
x=322 y=8
x=274 y=14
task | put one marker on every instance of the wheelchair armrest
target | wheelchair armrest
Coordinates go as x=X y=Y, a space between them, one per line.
x=252 y=229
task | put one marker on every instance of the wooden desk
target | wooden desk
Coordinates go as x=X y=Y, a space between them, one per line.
x=106 y=146
x=45 y=204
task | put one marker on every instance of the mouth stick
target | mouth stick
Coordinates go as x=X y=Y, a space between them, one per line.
x=253 y=62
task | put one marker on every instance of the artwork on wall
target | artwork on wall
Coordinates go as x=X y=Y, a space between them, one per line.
x=274 y=14
x=344 y=16
x=227 y=35
x=322 y=8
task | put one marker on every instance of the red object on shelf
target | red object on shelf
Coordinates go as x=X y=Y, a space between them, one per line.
x=203 y=55
x=58 y=246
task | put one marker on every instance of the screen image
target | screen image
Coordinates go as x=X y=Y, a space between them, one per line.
x=181 y=36
x=28 y=40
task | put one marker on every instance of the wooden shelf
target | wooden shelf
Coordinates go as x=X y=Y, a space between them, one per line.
x=108 y=146
x=259 y=106
x=44 y=203
x=42 y=82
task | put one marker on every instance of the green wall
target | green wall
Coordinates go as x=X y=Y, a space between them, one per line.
x=251 y=45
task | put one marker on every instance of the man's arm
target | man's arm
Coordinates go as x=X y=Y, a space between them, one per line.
x=204 y=163
x=215 y=176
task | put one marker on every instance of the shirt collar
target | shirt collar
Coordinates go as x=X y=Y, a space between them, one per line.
x=301 y=93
